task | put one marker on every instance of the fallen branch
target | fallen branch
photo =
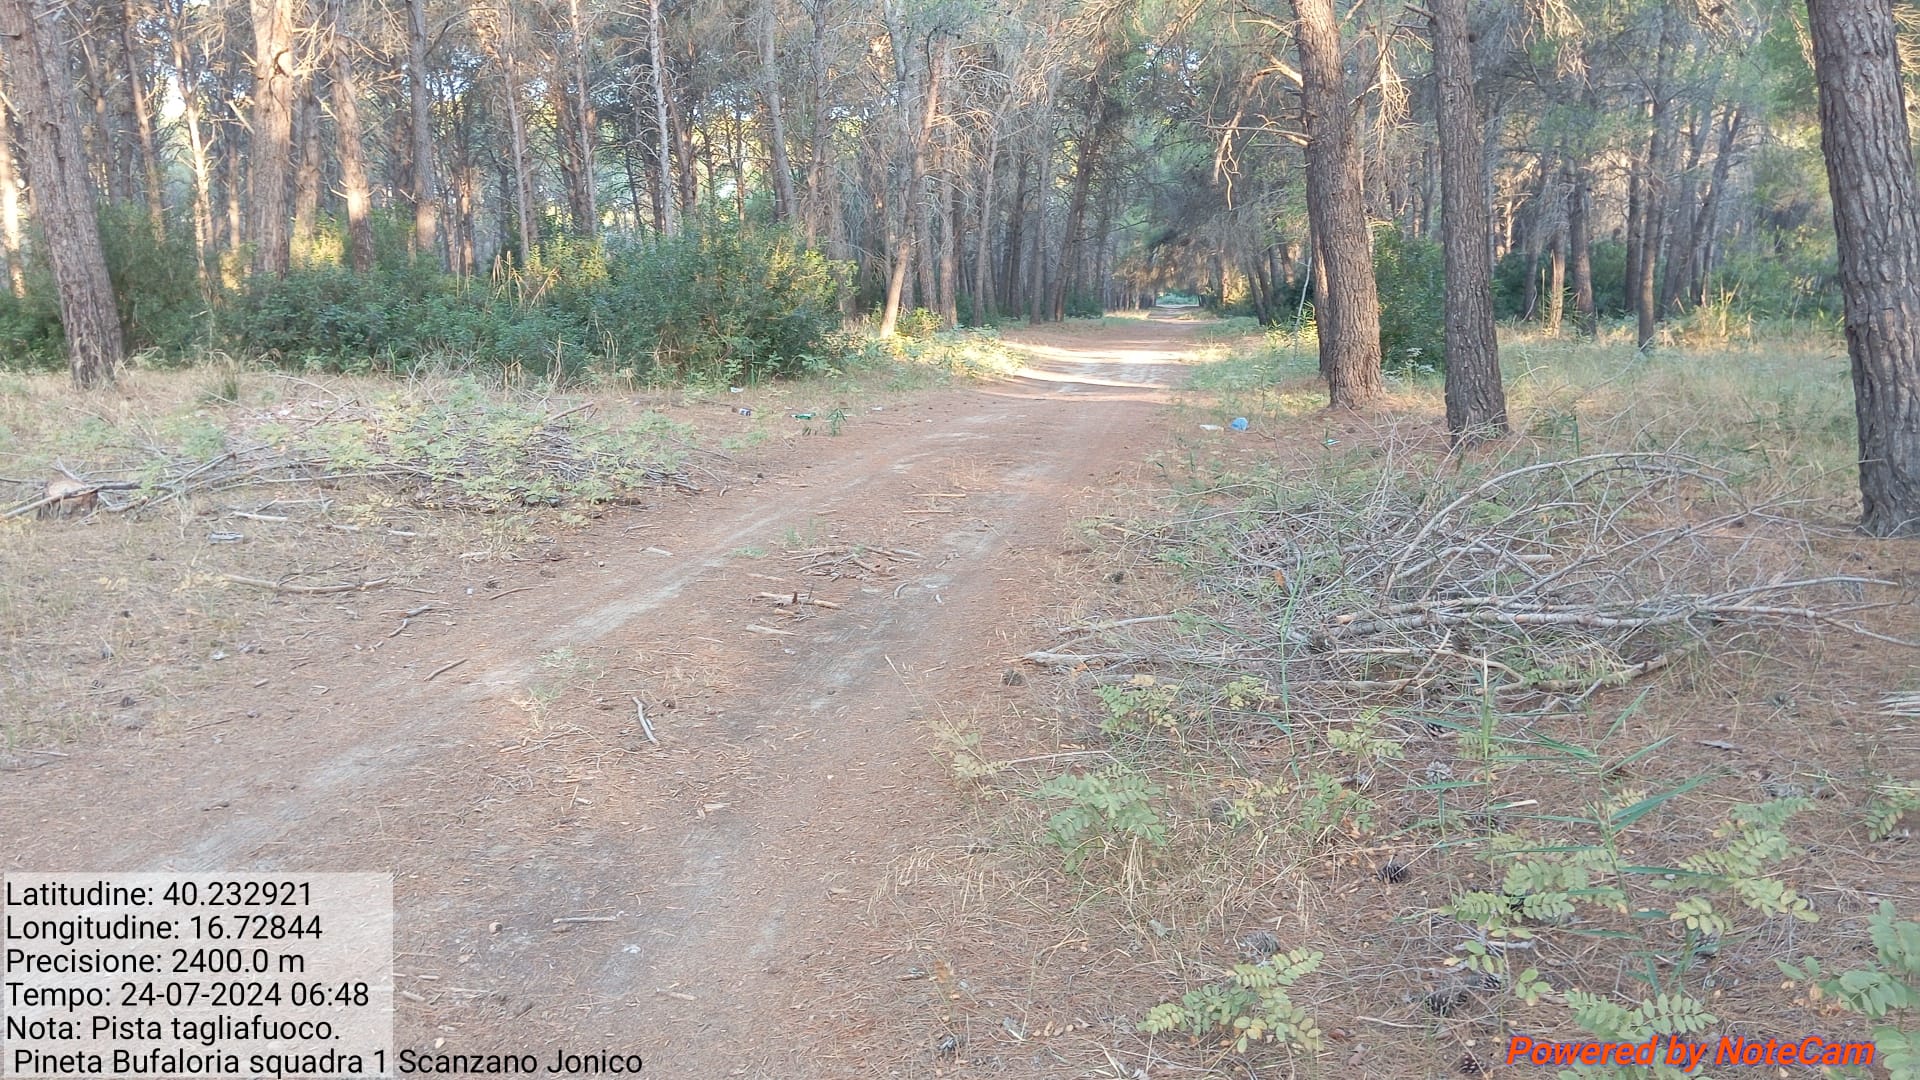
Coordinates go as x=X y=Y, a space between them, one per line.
x=646 y=727
x=790 y=599
x=1097 y=628
x=1057 y=659
x=305 y=590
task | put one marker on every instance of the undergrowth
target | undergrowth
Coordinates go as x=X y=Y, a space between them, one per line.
x=1431 y=743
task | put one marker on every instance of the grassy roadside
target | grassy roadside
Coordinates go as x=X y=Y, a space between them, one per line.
x=1594 y=733
x=119 y=605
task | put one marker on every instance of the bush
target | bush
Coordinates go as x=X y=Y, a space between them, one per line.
x=721 y=301
x=155 y=283
x=30 y=335
x=1411 y=276
x=917 y=324
x=155 y=288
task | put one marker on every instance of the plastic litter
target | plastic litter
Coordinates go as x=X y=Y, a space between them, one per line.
x=1239 y=423
x=744 y=411
x=1209 y=427
x=803 y=416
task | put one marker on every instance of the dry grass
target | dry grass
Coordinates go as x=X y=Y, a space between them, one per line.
x=1304 y=797
x=121 y=616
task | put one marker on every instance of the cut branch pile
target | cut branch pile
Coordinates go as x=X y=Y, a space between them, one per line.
x=468 y=455
x=1552 y=580
x=850 y=562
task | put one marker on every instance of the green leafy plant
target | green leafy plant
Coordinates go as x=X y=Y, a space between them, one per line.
x=1333 y=804
x=1111 y=806
x=1362 y=739
x=1141 y=704
x=1250 y=1006
x=1755 y=840
x=1891 y=802
x=1891 y=986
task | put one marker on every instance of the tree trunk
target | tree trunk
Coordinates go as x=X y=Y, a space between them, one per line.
x=777 y=163
x=1476 y=401
x=1348 y=314
x=818 y=192
x=270 y=154
x=10 y=206
x=143 y=121
x=1876 y=215
x=306 y=174
x=586 y=198
x=1580 y=248
x=922 y=178
x=1099 y=121
x=426 y=206
x=1556 y=279
x=63 y=198
x=950 y=252
x=983 y=229
x=1683 y=214
x=504 y=47
x=1706 y=225
x=186 y=64
x=1539 y=224
x=656 y=50
x=353 y=158
x=1037 y=230
x=1010 y=298
x=1653 y=193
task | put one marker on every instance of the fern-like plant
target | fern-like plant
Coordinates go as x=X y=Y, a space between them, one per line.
x=1251 y=1006
x=1891 y=986
x=1114 y=803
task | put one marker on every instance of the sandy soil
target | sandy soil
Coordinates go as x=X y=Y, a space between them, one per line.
x=738 y=864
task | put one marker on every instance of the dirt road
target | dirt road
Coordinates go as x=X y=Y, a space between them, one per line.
x=731 y=868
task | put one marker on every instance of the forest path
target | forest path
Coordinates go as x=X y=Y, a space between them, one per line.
x=731 y=871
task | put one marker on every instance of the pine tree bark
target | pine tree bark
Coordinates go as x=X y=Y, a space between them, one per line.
x=1642 y=284
x=143 y=121
x=63 y=199
x=1476 y=400
x=306 y=173
x=820 y=200
x=586 y=195
x=10 y=205
x=656 y=51
x=1580 y=248
x=1348 y=312
x=270 y=154
x=500 y=40
x=776 y=107
x=1100 y=118
x=1876 y=215
x=187 y=66
x=1706 y=225
x=353 y=158
x=1556 y=279
x=426 y=205
x=1010 y=276
x=983 y=288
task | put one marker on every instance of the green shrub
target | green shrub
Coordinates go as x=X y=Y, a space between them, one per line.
x=154 y=285
x=1411 y=276
x=917 y=324
x=154 y=280
x=721 y=301
x=30 y=335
